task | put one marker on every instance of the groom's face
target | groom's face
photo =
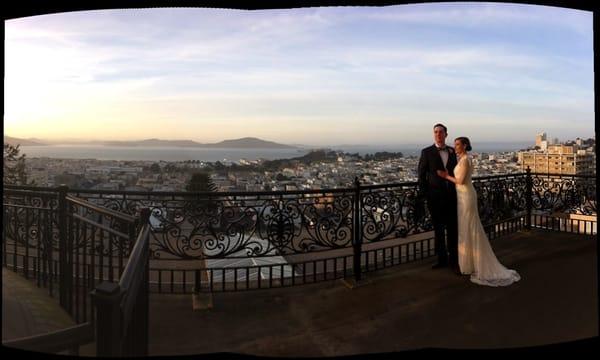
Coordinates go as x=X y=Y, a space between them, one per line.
x=439 y=135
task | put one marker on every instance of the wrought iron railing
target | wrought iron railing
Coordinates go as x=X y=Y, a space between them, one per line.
x=30 y=234
x=71 y=245
x=252 y=240
x=564 y=194
x=77 y=241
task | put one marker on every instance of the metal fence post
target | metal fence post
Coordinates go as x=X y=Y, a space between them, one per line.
x=144 y=217
x=528 y=198
x=357 y=238
x=197 y=282
x=109 y=326
x=65 y=277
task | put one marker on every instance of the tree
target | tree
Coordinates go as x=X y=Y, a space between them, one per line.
x=199 y=182
x=14 y=166
x=203 y=209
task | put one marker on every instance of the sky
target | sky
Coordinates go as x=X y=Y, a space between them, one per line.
x=319 y=76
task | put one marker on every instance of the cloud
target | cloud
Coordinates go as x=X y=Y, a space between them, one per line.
x=335 y=67
x=470 y=15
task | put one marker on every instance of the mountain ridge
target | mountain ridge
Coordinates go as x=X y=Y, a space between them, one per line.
x=241 y=143
x=23 y=142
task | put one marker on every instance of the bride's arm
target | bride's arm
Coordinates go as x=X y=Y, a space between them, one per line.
x=461 y=173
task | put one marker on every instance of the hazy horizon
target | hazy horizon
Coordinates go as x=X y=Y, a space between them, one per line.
x=308 y=144
x=171 y=153
x=367 y=76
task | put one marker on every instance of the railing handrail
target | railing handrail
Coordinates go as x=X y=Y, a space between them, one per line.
x=31 y=188
x=29 y=192
x=26 y=206
x=212 y=193
x=118 y=304
x=563 y=175
x=101 y=226
x=56 y=341
x=100 y=209
x=137 y=254
x=135 y=274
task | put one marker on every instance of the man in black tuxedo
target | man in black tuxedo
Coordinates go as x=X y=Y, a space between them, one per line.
x=441 y=196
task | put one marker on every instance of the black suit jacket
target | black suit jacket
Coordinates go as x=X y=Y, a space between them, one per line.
x=430 y=183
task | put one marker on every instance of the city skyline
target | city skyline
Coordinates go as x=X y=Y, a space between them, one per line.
x=316 y=76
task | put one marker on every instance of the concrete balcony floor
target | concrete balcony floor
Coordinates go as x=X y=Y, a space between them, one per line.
x=406 y=307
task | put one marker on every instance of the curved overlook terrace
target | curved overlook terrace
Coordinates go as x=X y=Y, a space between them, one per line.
x=382 y=206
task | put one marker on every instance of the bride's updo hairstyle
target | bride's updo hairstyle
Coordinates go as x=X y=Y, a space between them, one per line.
x=465 y=141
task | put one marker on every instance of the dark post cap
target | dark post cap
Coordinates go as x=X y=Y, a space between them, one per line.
x=145 y=214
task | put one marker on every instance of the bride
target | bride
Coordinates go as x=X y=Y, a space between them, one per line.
x=475 y=254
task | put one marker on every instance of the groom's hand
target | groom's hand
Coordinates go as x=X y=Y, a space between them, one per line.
x=442 y=173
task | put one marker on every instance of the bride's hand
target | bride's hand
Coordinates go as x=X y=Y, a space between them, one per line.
x=442 y=173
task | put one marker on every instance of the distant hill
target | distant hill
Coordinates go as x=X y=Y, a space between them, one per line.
x=23 y=142
x=243 y=143
x=248 y=143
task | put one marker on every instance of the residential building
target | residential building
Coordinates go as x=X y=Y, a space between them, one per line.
x=558 y=159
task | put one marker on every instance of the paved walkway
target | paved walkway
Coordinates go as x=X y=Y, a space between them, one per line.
x=28 y=310
x=406 y=307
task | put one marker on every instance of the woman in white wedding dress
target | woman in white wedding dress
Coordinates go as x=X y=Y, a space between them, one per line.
x=475 y=254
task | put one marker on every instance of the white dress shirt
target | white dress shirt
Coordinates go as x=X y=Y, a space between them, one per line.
x=443 y=154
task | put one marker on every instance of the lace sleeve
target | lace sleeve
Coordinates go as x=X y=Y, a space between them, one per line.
x=461 y=171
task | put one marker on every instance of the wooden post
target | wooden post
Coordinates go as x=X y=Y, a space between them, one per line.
x=109 y=325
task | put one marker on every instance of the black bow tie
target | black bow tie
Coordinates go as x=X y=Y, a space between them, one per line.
x=441 y=148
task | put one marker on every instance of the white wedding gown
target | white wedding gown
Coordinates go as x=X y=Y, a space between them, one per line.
x=475 y=254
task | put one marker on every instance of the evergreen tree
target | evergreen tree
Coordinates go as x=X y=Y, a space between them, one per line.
x=200 y=182
x=14 y=166
x=203 y=209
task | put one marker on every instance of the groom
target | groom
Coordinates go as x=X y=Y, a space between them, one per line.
x=441 y=197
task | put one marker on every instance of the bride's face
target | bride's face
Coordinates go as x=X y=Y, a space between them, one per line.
x=459 y=147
